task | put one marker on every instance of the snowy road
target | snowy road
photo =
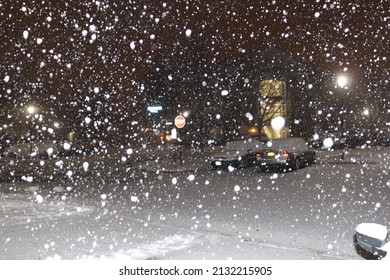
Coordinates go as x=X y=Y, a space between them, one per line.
x=200 y=214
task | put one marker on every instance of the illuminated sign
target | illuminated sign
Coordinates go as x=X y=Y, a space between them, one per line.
x=154 y=108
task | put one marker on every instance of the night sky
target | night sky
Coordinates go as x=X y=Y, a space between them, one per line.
x=64 y=52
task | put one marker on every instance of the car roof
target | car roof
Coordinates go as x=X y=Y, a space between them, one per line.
x=292 y=143
x=244 y=144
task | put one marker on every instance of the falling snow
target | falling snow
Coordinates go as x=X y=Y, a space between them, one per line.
x=94 y=166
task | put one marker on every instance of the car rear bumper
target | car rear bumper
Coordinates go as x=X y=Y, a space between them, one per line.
x=223 y=164
x=273 y=161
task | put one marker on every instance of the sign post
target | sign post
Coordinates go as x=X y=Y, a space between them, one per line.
x=180 y=122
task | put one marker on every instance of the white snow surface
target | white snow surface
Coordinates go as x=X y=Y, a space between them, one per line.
x=374 y=230
x=290 y=144
x=238 y=148
x=186 y=211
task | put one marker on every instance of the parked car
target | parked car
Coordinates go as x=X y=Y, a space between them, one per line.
x=38 y=149
x=287 y=153
x=237 y=154
x=85 y=147
x=339 y=139
x=81 y=146
x=382 y=138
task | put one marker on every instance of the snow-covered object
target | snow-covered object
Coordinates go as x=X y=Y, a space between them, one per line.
x=237 y=153
x=372 y=229
x=372 y=237
x=239 y=148
x=242 y=146
x=289 y=153
x=291 y=144
x=34 y=149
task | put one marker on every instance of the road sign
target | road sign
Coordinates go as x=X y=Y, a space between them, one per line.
x=180 y=121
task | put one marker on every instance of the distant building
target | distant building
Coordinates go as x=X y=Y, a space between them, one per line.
x=284 y=87
x=274 y=105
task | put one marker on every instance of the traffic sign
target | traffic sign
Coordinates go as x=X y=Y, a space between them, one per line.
x=180 y=121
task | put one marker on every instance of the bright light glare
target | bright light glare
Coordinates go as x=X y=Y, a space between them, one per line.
x=342 y=81
x=278 y=122
x=328 y=142
x=31 y=109
x=67 y=146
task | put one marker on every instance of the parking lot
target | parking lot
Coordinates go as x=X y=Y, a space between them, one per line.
x=167 y=210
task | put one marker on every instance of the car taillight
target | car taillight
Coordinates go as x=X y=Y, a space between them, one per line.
x=259 y=154
x=284 y=154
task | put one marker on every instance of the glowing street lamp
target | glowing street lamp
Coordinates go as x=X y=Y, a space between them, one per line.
x=31 y=109
x=186 y=114
x=56 y=124
x=342 y=81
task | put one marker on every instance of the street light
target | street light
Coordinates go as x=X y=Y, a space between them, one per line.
x=367 y=113
x=342 y=81
x=56 y=124
x=186 y=114
x=31 y=109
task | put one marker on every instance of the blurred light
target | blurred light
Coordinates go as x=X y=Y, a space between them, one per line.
x=253 y=130
x=328 y=142
x=174 y=133
x=342 y=81
x=186 y=114
x=278 y=122
x=31 y=109
x=154 y=109
x=67 y=146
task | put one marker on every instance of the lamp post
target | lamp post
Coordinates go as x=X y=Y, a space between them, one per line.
x=186 y=115
x=342 y=82
x=367 y=113
x=31 y=110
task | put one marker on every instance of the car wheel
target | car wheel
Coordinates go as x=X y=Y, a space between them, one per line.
x=297 y=164
x=237 y=164
x=243 y=163
x=314 y=159
x=43 y=155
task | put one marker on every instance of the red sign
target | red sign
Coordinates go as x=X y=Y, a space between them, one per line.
x=180 y=121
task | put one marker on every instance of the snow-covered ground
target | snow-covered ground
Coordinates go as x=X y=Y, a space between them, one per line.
x=119 y=208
